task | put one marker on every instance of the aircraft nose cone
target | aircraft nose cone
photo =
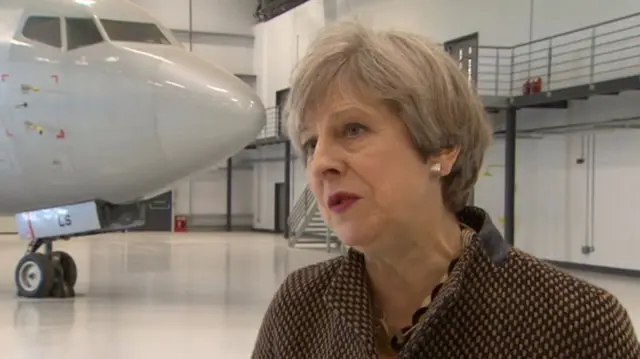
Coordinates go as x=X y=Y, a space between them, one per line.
x=204 y=114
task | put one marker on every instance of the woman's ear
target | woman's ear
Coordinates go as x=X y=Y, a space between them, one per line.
x=445 y=160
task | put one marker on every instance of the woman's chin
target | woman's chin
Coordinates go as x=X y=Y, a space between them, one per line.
x=351 y=239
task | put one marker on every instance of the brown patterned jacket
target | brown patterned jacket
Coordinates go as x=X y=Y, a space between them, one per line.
x=498 y=302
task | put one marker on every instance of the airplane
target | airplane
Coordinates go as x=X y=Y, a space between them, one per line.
x=101 y=107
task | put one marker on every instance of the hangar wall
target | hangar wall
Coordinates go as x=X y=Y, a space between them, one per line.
x=7 y=225
x=203 y=196
x=222 y=29
x=282 y=40
x=552 y=196
x=554 y=199
x=268 y=169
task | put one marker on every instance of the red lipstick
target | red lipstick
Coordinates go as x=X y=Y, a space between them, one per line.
x=341 y=201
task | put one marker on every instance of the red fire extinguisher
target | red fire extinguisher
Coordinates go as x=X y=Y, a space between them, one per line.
x=536 y=85
x=180 y=224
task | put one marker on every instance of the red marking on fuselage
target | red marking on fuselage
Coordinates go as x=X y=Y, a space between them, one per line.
x=4 y=77
x=61 y=134
x=55 y=78
x=30 y=225
x=8 y=133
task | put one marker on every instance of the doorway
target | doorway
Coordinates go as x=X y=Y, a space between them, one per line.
x=159 y=214
x=465 y=51
x=280 y=216
x=281 y=102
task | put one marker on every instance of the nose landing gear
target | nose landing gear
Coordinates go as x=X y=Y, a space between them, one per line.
x=48 y=274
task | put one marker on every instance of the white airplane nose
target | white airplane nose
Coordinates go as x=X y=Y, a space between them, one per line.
x=204 y=114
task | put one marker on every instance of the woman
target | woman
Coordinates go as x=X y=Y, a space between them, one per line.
x=394 y=137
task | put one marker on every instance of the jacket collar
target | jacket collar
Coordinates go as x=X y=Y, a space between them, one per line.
x=347 y=295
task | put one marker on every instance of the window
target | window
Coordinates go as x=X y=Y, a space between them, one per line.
x=82 y=32
x=43 y=29
x=129 y=31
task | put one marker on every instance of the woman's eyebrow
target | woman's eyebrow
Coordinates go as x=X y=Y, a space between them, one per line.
x=339 y=113
x=349 y=111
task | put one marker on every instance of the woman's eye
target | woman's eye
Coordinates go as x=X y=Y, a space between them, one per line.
x=354 y=129
x=308 y=147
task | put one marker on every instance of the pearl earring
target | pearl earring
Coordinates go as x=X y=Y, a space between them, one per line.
x=436 y=168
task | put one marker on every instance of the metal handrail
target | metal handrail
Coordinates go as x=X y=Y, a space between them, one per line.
x=569 y=32
x=584 y=56
x=274 y=124
x=301 y=207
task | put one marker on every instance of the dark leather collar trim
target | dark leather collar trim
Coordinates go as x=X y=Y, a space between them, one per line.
x=491 y=240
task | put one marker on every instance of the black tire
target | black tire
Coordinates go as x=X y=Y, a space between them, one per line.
x=68 y=267
x=34 y=276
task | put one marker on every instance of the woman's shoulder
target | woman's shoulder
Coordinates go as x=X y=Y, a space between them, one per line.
x=583 y=306
x=307 y=282
x=543 y=275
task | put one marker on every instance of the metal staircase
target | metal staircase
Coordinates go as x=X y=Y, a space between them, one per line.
x=307 y=225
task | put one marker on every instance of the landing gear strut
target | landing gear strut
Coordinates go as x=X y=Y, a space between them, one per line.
x=48 y=274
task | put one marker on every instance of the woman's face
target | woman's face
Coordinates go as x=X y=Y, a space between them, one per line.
x=369 y=181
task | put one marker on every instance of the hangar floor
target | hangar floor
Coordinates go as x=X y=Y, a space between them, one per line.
x=162 y=295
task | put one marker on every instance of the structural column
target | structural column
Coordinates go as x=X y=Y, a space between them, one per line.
x=287 y=187
x=190 y=25
x=510 y=175
x=229 y=193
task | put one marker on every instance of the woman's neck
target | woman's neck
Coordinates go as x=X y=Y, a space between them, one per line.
x=403 y=278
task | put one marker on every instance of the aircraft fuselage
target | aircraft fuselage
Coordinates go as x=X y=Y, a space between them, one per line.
x=112 y=120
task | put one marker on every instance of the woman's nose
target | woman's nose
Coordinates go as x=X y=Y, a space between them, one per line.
x=326 y=160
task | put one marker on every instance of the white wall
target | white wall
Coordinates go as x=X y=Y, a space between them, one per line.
x=553 y=17
x=222 y=28
x=282 y=40
x=617 y=45
x=551 y=188
x=265 y=176
x=214 y=16
x=204 y=194
x=7 y=224
x=551 y=197
x=233 y=53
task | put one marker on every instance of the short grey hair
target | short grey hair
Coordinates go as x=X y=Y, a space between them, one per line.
x=416 y=77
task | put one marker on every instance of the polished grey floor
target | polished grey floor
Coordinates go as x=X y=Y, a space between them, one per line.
x=158 y=296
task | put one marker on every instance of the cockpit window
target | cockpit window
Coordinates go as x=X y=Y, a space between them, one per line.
x=129 y=31
x=43 y=29
x=82 y=32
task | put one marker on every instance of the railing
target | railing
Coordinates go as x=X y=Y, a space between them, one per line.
x=307 y=225
x=494 y=71
x=274 y=126
x=301 y=208
x=600 y=52
x=268 y=9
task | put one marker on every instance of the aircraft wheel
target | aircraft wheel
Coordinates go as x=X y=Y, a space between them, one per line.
x=69 y=269
x=34 y=276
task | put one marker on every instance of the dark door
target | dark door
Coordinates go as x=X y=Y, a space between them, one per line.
x=281 y=97
x=159 y=213
x=465 y=51
x=281 y=101
x=279 y=208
